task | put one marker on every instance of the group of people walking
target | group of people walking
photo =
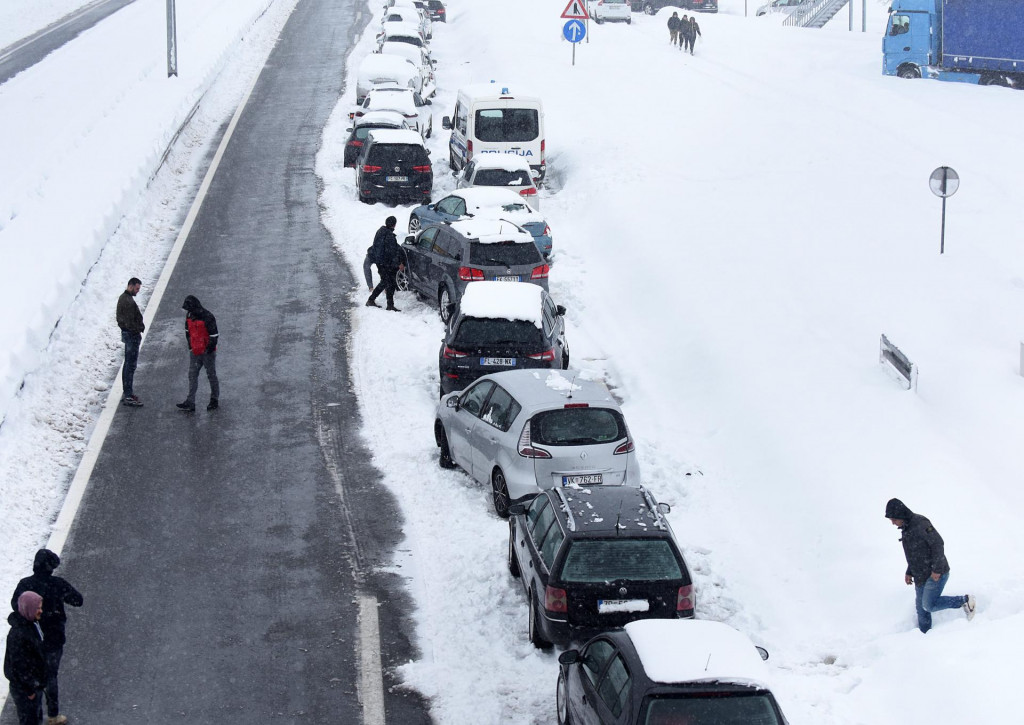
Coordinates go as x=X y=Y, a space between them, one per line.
x=35 y=642
x=201 y=336
x=683 y=31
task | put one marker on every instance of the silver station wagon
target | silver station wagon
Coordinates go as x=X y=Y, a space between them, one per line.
x=525 y=431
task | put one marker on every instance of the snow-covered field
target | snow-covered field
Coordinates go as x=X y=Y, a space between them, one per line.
x=733 y=232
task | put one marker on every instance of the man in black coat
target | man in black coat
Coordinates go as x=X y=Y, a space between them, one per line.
x=927 y=567
x=387 y=255
x=201 y=336
x=129 y=319
x=673 y=28
x=56 y=592
x=24 y=665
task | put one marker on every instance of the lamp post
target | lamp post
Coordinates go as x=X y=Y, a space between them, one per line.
x=172 y=41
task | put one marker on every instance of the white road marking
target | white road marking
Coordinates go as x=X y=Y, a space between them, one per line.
x=371 y=680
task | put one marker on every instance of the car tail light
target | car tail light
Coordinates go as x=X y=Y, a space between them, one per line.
x=547 y=231
x=368 y=169
x=421 y=169
x=556 y=600
x=526 y=449
x=576 y=405
x=353 y=142
x=528 y=191
x=626 y=447
x=469 y=150
x=540 y=272
x=542 y=146
x=453 y=354
x=546 y=356
x=469 y=274
x=684 y=600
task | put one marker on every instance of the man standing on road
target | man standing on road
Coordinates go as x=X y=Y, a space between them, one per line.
x=673 y=28
x=388 y=257
x=56 y=592
x=129 y=319
x=201 y=337
x=927 y=567
x=23 y=661
x=692 y=32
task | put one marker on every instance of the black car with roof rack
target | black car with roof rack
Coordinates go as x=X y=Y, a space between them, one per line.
x=593 y=558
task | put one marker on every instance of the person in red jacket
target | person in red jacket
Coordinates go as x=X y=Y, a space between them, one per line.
x=201 y=336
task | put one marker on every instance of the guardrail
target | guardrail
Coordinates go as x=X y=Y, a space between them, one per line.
x=807 y=14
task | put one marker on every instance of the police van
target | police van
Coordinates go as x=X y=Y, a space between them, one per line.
x=490 y=119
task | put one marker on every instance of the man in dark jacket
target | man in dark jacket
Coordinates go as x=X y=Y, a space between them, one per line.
x=24 y=665
x=692 y=31
x=129 y=319
x=387 y=255
x=201 y=337
x=927 y=567
x=56 y=592
x=673 y=28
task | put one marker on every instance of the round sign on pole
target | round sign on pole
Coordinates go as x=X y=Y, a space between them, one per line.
x=944 y=182
x=574 y=31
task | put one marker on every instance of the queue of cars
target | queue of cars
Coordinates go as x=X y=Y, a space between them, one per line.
x=602 y=570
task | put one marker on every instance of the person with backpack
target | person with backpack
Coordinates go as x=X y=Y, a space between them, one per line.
x=201 y=337
x=387 y=255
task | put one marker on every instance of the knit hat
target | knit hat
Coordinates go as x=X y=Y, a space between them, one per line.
x=28 y=605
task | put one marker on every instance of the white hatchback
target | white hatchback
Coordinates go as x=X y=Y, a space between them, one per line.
x=614 y=10
x=507 y=171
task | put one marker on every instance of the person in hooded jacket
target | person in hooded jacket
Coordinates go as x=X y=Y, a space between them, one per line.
x=387 y=255
x=56 y=592
x=692 y=30
x=927 y=568
x=24 y=665
x=201 y=336
x=673 y=28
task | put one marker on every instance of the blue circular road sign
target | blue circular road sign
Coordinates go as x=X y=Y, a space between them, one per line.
x=574 y=31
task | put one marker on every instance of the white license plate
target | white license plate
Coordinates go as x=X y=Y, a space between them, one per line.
x=502 y=361
x=508 y=278
x=616 y=606
x=397 y=179
x=582 y=480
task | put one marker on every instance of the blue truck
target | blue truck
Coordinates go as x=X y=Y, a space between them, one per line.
x=970 y=41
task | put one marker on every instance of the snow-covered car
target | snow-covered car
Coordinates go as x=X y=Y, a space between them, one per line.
x=394 y=167
x=401 y=33
x=665 y=671
x=484 y=202
x=437 y=11
x=362 y=126
x=420 y=57
x=405 y=101
x=410 y=15
x=377 y=69
x=507 y=171
x=610 y=10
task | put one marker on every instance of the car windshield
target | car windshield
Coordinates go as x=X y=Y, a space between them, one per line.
x=475 y=331
x=607 y=560
x=398 y=154
x=577 y=427
x=710 y=709
x=503 y=254
x=495 y=125
x=501 y=177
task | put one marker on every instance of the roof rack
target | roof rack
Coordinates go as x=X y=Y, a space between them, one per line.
x=659 y=520
x=569 y=520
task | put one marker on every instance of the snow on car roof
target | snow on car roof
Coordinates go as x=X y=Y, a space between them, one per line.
x=396 y=135
x=502 y=300
x=403 y=50
x=700 y=650
x=496 y=202
x=393 y=117
x=390 y=98
x=508 y=162
x=396 y=65
x=491 y=231
x=392 y=30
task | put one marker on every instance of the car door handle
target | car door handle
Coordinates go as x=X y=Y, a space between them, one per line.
x=468 y=430
x=907 y=49
x=493 y=440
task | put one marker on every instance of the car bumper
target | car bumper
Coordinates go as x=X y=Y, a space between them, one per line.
x=559 y=631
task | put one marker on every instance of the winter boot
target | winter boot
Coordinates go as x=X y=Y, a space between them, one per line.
x=969 y=607
x=186 y=406
x=213 y=404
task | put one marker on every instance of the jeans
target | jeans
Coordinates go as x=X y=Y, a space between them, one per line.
x=132 y=341
x=929 y=599
x=30 y=712
x=196 y=362
x=52 y=657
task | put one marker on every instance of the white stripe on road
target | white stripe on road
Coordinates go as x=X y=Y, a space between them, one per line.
x=371 y=681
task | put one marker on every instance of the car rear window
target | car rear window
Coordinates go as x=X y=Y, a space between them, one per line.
x=577 y=426
x=502 y=177
x=717 y=708
x=398 y=154
x=605 y=560
x=503 y=254
x=482 y=331
x=507 y=124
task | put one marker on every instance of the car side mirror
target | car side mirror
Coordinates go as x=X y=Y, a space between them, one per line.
x=446 y=123
x=762 y=651
x=664 y=508
x=452 y=402
x=517 y=509
x=570 y=656
x=560 y=310
x=410 y=239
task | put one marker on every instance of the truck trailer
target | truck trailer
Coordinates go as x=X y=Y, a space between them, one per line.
x=970 y=41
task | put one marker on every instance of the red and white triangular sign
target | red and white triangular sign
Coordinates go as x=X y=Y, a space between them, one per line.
x=576 y=10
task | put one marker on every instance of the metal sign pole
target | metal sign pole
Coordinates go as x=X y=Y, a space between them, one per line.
x=943 y=182
x=172 y=40
x=942 y=237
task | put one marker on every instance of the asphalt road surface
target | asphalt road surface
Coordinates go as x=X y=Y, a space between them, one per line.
x=224 y=555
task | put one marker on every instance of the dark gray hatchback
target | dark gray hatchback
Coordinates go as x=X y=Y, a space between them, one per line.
x=394 y=167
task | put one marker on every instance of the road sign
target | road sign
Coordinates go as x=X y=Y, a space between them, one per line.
x=943 y=182
x=574 y=31
x=576 y=10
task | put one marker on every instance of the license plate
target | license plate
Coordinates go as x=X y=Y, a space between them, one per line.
x=397 y=179
x=502 y=361
x=508 y=278
x=582 y=480
x=616 y=606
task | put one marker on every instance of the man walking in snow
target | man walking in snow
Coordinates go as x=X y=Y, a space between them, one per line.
x=56 y=592
x=24 y=666
x=388 y=257
x=129 y=319
x=201 y=336
x=673 y=28
x=927 y=568
x=684 y=28
x=692 y=31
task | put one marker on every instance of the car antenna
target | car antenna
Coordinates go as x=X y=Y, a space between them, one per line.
x=572 y=384
x=708 y=663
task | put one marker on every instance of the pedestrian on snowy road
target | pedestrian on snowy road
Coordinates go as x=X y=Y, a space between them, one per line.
x=927 y=568
x=673 y=28
x=201 y=336
x=56 y=592
x=129 y=319
x=691 y=34
x=387 y=255
x=684 y=28
x=24 y=665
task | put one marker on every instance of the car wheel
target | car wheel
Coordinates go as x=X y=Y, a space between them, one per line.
x=402 y=280
x=513 y=562
x=536 y=638
x=629 y=21
x=910 y=71
x=994 y=80
x=599 y=21
x=649 y=9
x=414 y=223
x=444 y=299
x=430 y=127
x=445 y=458
x=562 y=701
x=499 y=492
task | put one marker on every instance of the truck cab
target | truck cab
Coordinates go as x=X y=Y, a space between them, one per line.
x=910 y=42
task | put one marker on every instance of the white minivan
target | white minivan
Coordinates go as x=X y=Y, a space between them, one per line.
x=490 y=119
